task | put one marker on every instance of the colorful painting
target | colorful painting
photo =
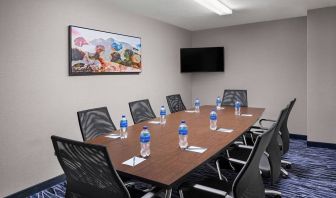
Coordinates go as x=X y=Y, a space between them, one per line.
x=97 y=52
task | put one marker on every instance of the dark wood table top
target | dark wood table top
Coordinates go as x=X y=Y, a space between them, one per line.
x=167 y=163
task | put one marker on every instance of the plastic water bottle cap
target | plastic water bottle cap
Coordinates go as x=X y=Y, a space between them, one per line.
x=145 y=127
x=183 y=121
x=162 y=106
x=123 y=116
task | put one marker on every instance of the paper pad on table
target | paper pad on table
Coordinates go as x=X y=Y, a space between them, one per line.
x=220 y=108
x=134 y=161
x=196 y=149
x=113 y=136
x=224 y=130
x=154 y=122
x=246 y=114
x=190 y=111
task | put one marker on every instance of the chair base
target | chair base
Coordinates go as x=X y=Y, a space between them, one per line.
x=273 y=193
x=284 y=173
x=286 y=164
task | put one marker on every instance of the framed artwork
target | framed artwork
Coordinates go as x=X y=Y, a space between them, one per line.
x=94 y=52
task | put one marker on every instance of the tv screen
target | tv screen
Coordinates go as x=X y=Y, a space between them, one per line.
x=208 y=59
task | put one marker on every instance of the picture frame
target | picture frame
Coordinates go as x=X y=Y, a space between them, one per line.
x=96 y=52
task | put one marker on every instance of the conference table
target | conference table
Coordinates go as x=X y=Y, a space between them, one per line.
x=168 y=164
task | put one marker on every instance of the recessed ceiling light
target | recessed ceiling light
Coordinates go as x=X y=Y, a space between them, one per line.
x=216 y=6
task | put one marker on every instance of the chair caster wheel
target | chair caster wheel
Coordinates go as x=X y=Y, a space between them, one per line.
x=277 y=196
x=288 y=166
x=284 y=176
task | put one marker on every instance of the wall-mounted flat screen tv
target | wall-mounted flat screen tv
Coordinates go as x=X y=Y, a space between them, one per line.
x=207 y=59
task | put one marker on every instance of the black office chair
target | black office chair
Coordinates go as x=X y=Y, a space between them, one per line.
x=141 y=111
x=270 y=163
x=175 y=103
x=94 y=122
x=230 y=96
x=247 y=184
x=284 y=132
x=89 y=171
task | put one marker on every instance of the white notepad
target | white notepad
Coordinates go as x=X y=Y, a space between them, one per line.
x=154 y=122
x=196 y=149
x=134 y=161
x=224 y=130
x=220 y=108
x=246 y=115
x=113 y=136
x=190 y=111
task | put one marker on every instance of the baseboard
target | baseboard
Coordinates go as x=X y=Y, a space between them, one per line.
x=38 y=187
x=321 y=144
x=298 y=136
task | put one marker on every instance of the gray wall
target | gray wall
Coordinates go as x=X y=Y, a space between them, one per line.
x=321 y=75
x=268 y=59
x=39 y=99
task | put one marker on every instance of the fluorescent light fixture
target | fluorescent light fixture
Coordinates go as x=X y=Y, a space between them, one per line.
x=216 y=6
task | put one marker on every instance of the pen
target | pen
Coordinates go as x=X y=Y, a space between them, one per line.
x=133 y=161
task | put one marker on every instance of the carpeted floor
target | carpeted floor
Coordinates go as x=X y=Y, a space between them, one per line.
x=313 y=174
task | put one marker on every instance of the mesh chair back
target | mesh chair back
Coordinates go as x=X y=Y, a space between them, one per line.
x=175 y=103
x=88 y=169
x=273 y=149
x=284 y=129
x=94 y=122
x=141 y=111
x=249 y=183
x=230 y=96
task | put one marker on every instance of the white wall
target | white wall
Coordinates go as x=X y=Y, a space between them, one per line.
x=321 y=75
x=268 y=59
x=39 y=99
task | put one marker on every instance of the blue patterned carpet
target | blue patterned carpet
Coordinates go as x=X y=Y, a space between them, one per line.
x=313 y=174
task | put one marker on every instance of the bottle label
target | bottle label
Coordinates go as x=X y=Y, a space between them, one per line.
x=197 y=103
x=183 y=131
x=237 y=105
x=145 y=138
x=218 y=101
x=213 y=116
x=163 y=112
x=123 y=124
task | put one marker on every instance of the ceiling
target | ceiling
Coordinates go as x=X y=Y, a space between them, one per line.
x=190 y=15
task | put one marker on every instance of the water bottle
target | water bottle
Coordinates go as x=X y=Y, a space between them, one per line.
x=123 y=127
x=197 y=105
x=162 y=115
x=218 y=102
x=145 y=142
x=213 y=120
x=237 y=108
x=183 y=135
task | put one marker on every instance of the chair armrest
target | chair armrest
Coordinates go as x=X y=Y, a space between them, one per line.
x=245 y=147
x=237 y=161
x=210 y=190
x=265 y=120
x=257 y=132
x=129 y=184
x=259 y=128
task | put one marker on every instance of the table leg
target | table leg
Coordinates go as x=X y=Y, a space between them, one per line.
x=168 y=193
